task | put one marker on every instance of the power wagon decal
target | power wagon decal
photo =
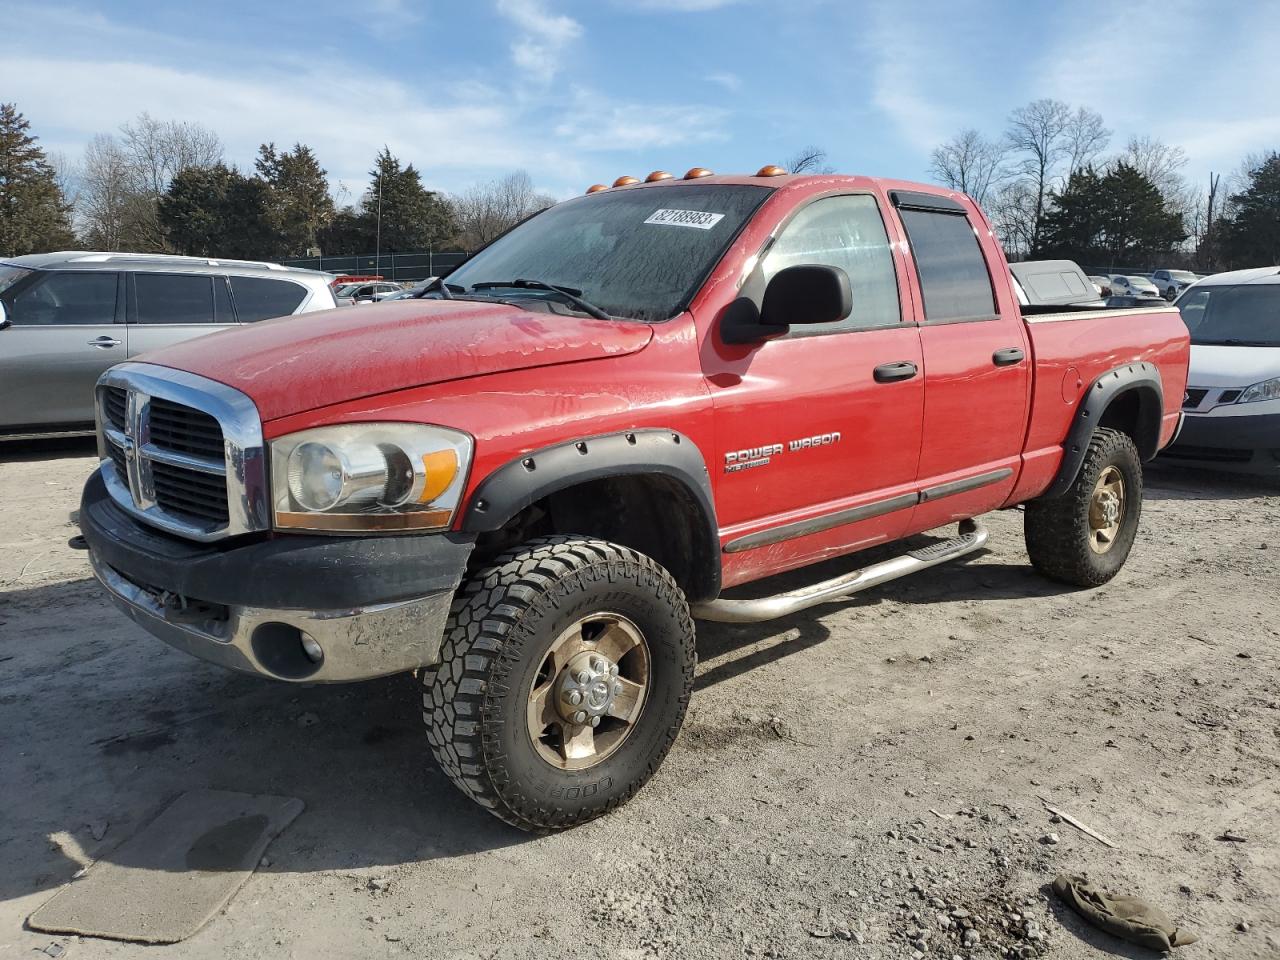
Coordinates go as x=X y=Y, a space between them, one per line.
x=736 y=461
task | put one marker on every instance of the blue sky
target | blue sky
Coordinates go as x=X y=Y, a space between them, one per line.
x=579 y=91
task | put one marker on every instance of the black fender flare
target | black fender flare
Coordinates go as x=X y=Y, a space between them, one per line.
x=1140 y=377
x=540 y=473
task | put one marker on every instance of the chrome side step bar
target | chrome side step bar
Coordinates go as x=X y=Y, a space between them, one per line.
x=972 y=537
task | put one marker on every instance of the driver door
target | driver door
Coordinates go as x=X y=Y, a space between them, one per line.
x=819 y=431
x=67 y=329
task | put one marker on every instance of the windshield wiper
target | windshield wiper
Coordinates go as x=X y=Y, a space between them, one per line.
x=1231 y=342
x=439 y=284
x=569 y=293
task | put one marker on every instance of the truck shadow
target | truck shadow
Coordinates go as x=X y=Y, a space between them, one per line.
x=103 y=724
x=33 y=451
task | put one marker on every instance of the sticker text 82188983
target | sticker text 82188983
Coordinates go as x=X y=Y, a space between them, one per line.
x=698 y=219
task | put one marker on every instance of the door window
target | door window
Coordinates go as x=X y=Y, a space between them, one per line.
x=953 y=272
x=258 y=298
x=846 y=232
x=66 y=298
x=174 y=298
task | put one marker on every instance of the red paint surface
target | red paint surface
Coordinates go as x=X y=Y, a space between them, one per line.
x=520 y=381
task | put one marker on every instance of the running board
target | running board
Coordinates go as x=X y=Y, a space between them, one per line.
x=972 y=537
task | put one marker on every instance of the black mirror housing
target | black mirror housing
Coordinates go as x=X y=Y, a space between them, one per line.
x=806 y=293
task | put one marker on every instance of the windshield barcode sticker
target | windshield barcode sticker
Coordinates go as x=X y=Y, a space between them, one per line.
x=698 y=219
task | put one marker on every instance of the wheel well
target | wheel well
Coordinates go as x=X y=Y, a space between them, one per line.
x=1136 y=411
x=652 y=513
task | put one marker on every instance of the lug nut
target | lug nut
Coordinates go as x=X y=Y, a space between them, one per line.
x=617 y=688
x=580 y=717
x=595 y=721
x=597 y=665
x=613 y=671
x=573 y=697
x=584 y=678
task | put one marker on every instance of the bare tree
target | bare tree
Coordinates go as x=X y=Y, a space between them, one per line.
x=1038 y=134
x=486 y=210
x=107 y=199
x=1086 y=137
x=1159 y=163
x=158 y=149
x=808 y=159
x=970 y=163
x=1013 y=212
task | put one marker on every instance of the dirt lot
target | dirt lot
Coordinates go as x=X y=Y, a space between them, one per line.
x=795 y=816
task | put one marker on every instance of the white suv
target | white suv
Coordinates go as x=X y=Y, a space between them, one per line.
x=1172 y=282
x=1232 y=404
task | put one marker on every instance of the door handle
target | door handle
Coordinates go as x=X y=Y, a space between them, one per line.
x=1008 y=356
x=893 y=372
x=106 y=343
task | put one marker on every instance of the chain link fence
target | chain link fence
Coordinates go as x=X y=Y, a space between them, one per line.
x=392 y=266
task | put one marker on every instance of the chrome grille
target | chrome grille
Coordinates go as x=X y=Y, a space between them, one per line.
x=181 y=452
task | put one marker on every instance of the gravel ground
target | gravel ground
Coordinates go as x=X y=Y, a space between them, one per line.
x=861 y=781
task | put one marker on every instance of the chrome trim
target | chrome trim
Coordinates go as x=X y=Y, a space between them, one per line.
x=1095 y=314
x=358 y=643
x=245 y=466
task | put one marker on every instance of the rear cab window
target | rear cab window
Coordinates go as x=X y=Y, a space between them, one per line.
x=953 y=273
x=171 y=298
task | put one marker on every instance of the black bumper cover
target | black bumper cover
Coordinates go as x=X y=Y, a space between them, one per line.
x=291 y=571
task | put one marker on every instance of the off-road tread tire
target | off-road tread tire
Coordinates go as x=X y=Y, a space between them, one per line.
x=477 y=655
x=1056 y=530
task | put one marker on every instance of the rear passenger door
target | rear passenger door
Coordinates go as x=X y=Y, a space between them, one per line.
x=67 y=329
x=976 y=362
x=166 y=308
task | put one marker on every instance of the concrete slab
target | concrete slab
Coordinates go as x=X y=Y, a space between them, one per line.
x=167 y=880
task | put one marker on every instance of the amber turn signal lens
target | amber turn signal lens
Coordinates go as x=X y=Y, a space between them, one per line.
x=625 y=181
x=440 y=466
x=696 y=172
x=657 y=175
x=770 y=170
x=596 y=188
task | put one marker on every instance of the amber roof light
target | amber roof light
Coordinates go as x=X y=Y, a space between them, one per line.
x=625 y=181
x=696 y=172
x=771 y=170
x=596 y=188
x=658 y=175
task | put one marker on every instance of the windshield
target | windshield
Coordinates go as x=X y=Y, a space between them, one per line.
x=640 y=253
x=9 y=275
x=1244 y=315
x=1186 y=275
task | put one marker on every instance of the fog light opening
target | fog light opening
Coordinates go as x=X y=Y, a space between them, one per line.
x=312 y=649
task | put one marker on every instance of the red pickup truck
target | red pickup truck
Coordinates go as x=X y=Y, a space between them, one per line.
x=527 y=484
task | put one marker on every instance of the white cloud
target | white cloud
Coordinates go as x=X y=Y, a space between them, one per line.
x=547 y=35
x=595 y=124
x=730 y=81
x=680 y=6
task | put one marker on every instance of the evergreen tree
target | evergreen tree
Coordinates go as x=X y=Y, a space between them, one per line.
x=299 y=204
x=1252 y=234
x=412 y=217
x=217 y=211
x=1073 y=225
x=34 y=214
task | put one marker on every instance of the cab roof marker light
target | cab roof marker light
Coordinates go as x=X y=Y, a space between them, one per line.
x=596 y=188
x=696 y=172
x=658 y=175
x=625 y=181
x=771 y=170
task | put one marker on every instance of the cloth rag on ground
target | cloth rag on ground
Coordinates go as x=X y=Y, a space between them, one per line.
x=1128 y=917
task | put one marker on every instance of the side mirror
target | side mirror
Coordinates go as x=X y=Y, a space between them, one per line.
x=5 y=322
x=808 y=293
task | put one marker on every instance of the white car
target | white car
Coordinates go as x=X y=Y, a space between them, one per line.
x=1232 y=404
x=1172 y=282
x=1133 y=286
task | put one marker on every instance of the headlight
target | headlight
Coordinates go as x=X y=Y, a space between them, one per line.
x=363 y=477
x=1266 y=390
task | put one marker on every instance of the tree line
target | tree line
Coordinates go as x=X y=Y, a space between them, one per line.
x=1054 y=189
x=165 y=186
x=1050 y=183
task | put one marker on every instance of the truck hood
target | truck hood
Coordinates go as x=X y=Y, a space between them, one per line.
x=312 y=360
x=1232 y=366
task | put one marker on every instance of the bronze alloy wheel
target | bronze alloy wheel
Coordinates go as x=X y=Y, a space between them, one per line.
x=589 y=691
x=1106 y=510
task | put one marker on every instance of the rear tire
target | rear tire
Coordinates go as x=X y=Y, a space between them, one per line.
x=564 y=677
x=1084 y=536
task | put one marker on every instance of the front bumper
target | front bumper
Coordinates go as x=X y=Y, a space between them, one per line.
x=1240 y=444
x=299 y=608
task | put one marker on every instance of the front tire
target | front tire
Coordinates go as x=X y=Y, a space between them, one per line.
x=564 y=677
x=1084 y=536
